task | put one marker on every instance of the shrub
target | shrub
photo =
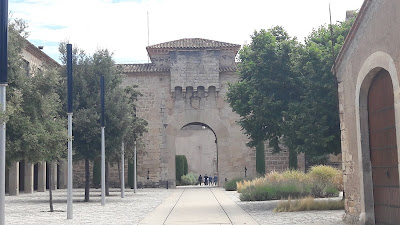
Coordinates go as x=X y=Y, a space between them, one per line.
x=179 y=163
x=307 y=204
x=185 y=166
x=260 y=158
x=326 y=174
x=232 y=184
x=189 y=179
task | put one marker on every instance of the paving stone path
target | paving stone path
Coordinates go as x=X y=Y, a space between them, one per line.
x=33 y=208
x=176 y=207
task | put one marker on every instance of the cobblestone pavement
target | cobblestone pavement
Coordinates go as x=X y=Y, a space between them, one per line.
x=263 y=213
x=33 y=208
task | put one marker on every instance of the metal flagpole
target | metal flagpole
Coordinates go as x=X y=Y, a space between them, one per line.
x=69 y=112
x=103 y=152
x=135 y=173
x=122 y=171
x=3 y=85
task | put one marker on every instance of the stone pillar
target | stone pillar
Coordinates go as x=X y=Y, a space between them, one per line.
x=54 y=174
x=63 y=175
x=41 y=177
x=301 y=162
x=28 y=179
x=13 y=179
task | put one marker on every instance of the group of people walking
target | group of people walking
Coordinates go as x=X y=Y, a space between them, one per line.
x=208 y=180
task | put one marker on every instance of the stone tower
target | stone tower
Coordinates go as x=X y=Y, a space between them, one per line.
x=186 y=84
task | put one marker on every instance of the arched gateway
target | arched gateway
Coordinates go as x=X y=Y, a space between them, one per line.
x=186 y=83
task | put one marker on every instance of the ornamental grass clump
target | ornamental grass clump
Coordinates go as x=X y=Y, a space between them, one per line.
x=307 y=204
x=321 y=181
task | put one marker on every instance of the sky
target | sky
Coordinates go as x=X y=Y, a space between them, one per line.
x=125 y=27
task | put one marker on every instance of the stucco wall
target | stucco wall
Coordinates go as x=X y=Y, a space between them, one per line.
x=375 y=46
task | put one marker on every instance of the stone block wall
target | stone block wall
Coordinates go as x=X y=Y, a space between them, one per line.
x=114 y=177
x=276 y=161
x=194 y=69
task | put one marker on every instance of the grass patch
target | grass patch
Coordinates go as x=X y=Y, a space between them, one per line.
x=307 y=204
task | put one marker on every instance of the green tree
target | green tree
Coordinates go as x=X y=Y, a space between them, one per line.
x=312 y=124
x=287 y=92
x=35 y=130
x=267 y=84
x=120 y=120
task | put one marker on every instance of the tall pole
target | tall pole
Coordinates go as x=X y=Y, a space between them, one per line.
x=69 y=113
x=3 y=85
x=122 y=171
x=134 y=166
x=103 y=151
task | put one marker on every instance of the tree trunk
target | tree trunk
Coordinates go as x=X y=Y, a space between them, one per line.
x=87 y=180
x=50 y=188
x=107 y=181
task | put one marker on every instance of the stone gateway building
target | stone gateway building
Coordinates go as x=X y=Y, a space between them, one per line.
x=185 y=85
x=367 y=70
x=183 y=100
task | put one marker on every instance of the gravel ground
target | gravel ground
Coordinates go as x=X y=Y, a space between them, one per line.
x=33 y=208
x=263 y=213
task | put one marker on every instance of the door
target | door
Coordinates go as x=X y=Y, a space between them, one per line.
x=383 y=150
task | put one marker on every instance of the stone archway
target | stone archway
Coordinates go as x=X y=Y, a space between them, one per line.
x=214 y=123
x=198 y=143
x=375 y=63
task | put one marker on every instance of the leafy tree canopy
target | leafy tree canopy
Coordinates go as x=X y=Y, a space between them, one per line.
x=286 y=91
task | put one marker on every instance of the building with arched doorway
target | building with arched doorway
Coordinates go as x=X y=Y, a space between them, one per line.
x=369 y=105
x=185 y=85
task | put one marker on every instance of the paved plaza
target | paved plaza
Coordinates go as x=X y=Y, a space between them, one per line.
x=192 y=205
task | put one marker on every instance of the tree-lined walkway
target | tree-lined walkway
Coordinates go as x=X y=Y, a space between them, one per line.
x=201 y=205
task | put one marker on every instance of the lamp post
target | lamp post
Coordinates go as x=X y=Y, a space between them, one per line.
x=135 y=166
x=245 y=171
x=103 y=152
x=122 y=171
x=69 y=113
x=3 y=85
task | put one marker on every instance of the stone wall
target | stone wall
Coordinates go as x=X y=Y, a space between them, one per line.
x=276 y=161
x=194 y=69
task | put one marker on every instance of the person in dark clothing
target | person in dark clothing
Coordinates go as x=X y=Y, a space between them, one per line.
x=210 y=181
x=215 y=180
x=200 y=179
x=205 y=179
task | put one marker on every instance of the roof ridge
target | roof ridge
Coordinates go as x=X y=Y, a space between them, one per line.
x=191 y=43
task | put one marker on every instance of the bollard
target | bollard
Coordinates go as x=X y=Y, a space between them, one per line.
x=167 y=184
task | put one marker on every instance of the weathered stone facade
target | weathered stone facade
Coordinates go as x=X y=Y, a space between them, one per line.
x=186 y=83
x=372 y=46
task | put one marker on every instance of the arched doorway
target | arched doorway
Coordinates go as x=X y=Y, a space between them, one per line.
x=383 y=149
x=198 y=142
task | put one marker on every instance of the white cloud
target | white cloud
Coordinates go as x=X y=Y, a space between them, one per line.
x=122 y=27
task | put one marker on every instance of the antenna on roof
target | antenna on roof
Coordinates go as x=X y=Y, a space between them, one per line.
x=148 y=36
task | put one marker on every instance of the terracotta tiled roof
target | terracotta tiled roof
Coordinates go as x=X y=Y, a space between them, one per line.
x=150 y=68
x=193 y=43
x=40 y=54
x=141 y=68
